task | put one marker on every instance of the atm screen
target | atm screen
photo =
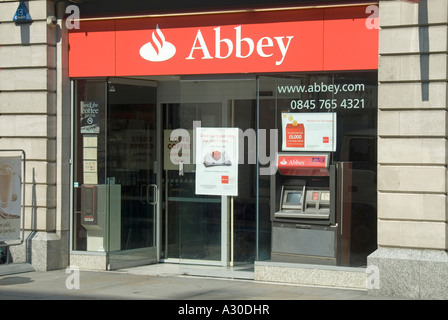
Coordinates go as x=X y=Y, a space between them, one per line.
x=294 y=197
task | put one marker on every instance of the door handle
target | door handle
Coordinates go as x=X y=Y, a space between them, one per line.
x=155 y=194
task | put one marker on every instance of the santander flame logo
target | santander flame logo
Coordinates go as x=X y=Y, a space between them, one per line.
x=159 y=49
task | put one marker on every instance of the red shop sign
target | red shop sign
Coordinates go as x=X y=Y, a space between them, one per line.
x=247 y=42
x=303 y=164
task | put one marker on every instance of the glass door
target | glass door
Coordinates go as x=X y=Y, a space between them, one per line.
x=212 y=229
x=192 y=222
x=131 y=172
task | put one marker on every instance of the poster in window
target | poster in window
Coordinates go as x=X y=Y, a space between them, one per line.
x=10 y=198
x=313 y=131
x=90 y=113
x=217 y=161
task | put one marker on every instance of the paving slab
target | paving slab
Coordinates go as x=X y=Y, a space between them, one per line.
x=155 y=283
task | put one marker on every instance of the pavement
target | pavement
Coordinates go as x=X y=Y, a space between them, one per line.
x=158 y=282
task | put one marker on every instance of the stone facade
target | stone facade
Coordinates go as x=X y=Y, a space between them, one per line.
x=31 y=118
x=412 y=150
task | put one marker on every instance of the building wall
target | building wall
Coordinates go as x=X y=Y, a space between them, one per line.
x=30 y=119
x=412 y=149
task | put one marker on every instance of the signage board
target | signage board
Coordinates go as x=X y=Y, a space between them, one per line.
x=90 y=117
x=305 y=164
x=310 y=39
x=22 y=15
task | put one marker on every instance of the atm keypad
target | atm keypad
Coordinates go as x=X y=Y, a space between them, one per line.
x=325 y=196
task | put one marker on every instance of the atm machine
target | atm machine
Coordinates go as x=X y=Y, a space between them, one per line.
x=303 y=210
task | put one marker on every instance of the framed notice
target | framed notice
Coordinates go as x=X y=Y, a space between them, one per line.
x=10 y=198
x=309 y=131
x=217 y=161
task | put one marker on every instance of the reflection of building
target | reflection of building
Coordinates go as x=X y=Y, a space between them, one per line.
x=36 y=96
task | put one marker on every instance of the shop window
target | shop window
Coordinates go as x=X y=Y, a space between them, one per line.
x=346 y=133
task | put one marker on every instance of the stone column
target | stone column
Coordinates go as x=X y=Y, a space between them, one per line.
x=30 y=120
x=411 y=260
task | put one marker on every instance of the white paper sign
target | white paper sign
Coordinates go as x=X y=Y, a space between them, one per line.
x=313 y=131
x=217 y=161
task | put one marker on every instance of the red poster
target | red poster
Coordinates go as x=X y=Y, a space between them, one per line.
x=295 y=135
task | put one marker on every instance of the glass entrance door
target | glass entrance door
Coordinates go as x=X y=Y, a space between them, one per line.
x=131 y=171
x=215 y=229
x=192 y=222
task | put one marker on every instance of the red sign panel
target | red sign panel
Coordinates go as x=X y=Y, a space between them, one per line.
x=279 y=41
x=312 y=165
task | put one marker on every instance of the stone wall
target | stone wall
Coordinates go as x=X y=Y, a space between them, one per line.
x=412 y=149
x=32 y=111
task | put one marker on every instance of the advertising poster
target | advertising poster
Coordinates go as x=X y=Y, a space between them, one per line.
x=311 y=131
x=217 y=161
x=10 y=198
x=90 y=117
